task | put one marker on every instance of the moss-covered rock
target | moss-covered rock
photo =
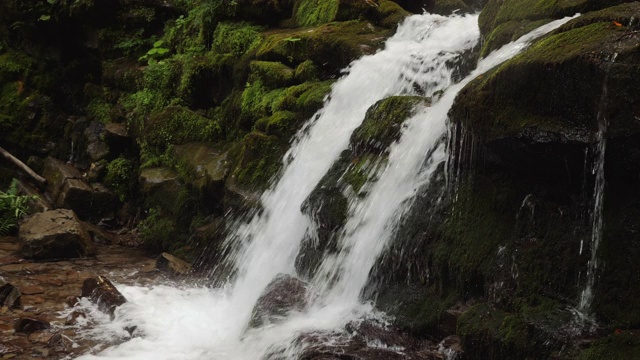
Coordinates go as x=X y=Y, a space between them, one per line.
x=566 y=105
x=332 y=46
x=178 y=125
x=271 y=74
x=503 y=21
x=622 y=345
x=382 y=124
x=257 y=161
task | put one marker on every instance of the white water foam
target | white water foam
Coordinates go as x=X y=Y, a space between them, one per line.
x=200 y=323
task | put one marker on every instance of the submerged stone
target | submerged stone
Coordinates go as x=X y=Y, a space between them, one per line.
x=283 y=295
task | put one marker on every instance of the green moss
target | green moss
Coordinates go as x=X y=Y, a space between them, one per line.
x=119 y=177
x=507 y=32
x=258 y=160
x=14 y=66
x=271 y=74
x=566 y=45
x=315 y=12
x=332 y=46
x=497 y=12
x=281 y=124
x=383 y=122
x=178 y=125
x=391 y=14
x=99 y=110
x=482 y=220
x=362 y=170
x=306 y=71
x=625 y=345
x=236 y=38
x=158 y=231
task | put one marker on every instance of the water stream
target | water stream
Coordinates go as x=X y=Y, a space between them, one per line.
x=211 y=323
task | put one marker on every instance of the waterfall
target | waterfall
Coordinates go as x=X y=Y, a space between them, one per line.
x=586 y=297
x=205 y=323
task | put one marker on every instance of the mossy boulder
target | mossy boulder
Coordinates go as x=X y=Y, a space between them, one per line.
x=382 y=124
x=503 y=21
x=621 y=345
x=565 y=107
x=257 y=161
x=179 y=125
x=271 y=74
x=332 y=46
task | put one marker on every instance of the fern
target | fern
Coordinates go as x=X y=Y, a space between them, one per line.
x=12 y=207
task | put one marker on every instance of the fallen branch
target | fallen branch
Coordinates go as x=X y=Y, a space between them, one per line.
x=37 y=178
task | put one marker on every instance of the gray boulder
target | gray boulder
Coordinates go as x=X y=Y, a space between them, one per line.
x=55 y=234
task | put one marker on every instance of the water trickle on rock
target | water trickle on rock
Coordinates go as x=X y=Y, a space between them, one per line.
x=202 y=323
x=586 y=297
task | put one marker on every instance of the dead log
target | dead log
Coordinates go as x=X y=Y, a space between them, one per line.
x=24 y=168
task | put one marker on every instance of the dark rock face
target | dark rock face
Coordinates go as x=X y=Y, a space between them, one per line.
x=9 y=296
x=55 y=234
x=103 y=293
x=284 y=294
x=30 y=325
x=368 y=339
x=68 y=189
x=171 y=264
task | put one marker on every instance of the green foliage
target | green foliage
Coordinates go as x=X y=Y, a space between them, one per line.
x=272 y=74
x=195 y=32
x=258 y=161
x=177 y=125
x=280 y=124
x=236 y=38
x=315 y=12
x=12 y=207
x=158 y=231
x=157 y=52
x=119 y=177
x=99 y=110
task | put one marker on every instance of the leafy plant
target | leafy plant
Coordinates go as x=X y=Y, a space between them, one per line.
x=12 y=208
x=156 y=53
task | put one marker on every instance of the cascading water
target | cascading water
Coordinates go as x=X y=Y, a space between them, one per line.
x=202 y=323
x=586 y=297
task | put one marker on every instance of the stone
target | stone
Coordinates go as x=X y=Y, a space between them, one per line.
x=55 y=234
x=69 y=190
x=9 y=296
x=28 y=325
x=169 y=263
x=42 y=337
x=97 y=150
x=32 y=290
x=103 y=293
x=284 y=294
x=57 y=172
x=211 y=167
x=160 y=187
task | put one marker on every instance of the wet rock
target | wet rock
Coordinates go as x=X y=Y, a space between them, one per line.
x=210 y=167
x=32 y=290
x=39 y=202
x=69 y=190
x=284 y=294
x=55 y=234
x=57 y=172
x=169 y=263
x=368 y=339
x=117 y=138
x=103 y=293
x=160 y=187
x=9 y=296
x=28 y=325
x=42 y=337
